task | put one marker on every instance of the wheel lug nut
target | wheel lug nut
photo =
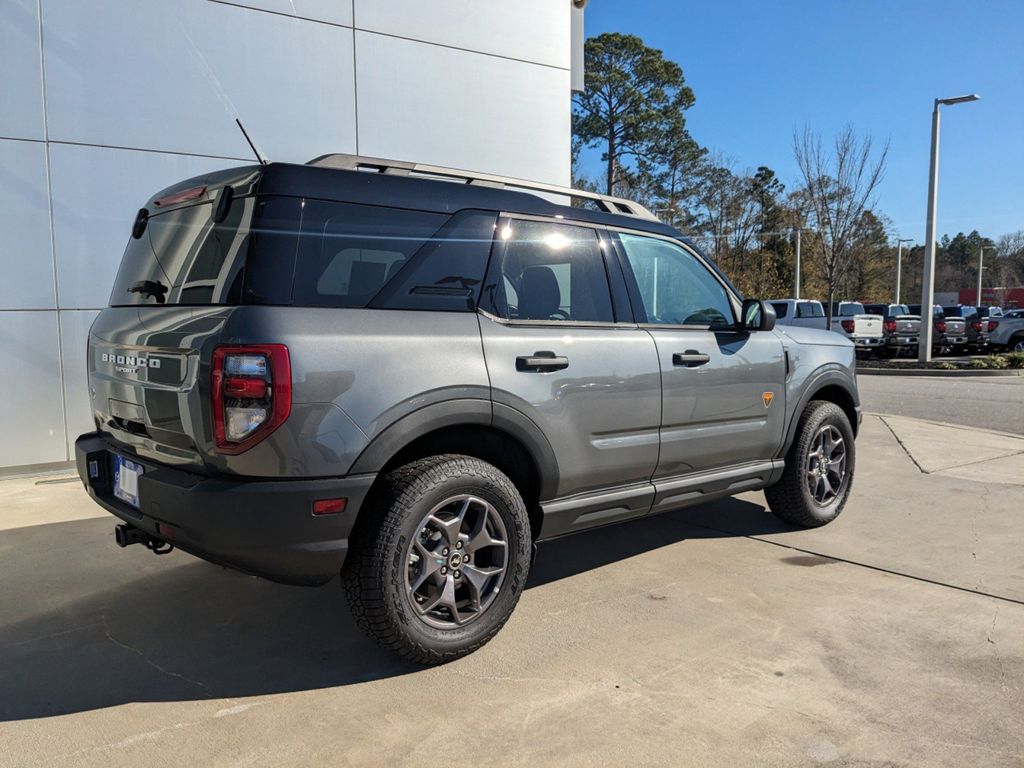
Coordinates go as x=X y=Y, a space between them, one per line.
x=458 y=574
x=444 y=551
x=458 y=545
x=443 y=570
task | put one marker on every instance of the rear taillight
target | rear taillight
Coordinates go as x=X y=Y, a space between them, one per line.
x=992 y=325
x=976 y=325
x=890 y=326
x=940 y=326
x=251 y=387
x=847 y=325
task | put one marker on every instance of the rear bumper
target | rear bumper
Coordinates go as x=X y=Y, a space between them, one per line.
x=262 y=527
x=901 y=341
x=866 y=341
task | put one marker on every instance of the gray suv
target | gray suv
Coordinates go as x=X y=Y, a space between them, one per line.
x=357 y=366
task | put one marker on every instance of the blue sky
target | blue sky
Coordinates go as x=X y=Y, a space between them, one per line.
x=759 y=69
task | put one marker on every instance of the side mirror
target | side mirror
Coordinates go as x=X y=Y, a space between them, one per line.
x=758 y=315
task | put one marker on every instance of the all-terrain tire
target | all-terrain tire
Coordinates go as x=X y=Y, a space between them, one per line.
x=790 y=499
x=375 y=572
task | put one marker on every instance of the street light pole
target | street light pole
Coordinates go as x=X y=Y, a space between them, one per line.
x=924 y=349
x=796 y=282
x=899 y=263
x=981 y=266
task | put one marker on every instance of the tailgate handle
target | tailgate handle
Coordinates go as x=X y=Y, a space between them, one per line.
x=691 y=358
x=541 y=361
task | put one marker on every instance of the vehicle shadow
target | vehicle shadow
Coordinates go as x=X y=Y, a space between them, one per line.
x=84 y=626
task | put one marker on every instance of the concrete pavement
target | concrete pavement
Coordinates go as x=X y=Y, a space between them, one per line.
x=709 y=636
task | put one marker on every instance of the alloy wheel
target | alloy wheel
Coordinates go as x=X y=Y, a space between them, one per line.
x=457 y=561
x=826 y=465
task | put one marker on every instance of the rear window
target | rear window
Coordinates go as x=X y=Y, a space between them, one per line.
x=850 y=309
x=781 y=309
x=287 y=251
x=183 y=257
x=810 y=309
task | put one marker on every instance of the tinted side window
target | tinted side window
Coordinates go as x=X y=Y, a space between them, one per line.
x=674 y=286
x=549 y=271
x=447 y=273
x=781 y=309
x=347 y=252
x=810 y=309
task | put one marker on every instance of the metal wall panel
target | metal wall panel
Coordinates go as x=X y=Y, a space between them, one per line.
x=21 y=81
x=327 y=11
x=74 y=335
x=530 y=30
x=31 y=409
x=26 y=258
x=173 y=77
x=440 y=105
x=96 y=193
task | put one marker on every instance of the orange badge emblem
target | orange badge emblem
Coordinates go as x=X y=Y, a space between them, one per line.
x=767 y=397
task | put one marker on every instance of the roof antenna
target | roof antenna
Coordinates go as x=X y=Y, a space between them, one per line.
x=251 y=145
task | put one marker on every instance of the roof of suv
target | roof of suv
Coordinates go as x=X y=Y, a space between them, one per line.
x=429 y=194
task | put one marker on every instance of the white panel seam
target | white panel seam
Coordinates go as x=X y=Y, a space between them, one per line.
x=295 y=16
x=459 y=48
x=246 y=160
x=53 y=240
x=355 y=80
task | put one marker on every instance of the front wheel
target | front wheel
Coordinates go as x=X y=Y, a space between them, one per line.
x=440 y=560
x=819 y=468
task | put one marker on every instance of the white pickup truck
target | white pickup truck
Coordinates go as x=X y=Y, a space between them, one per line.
x=852 y=320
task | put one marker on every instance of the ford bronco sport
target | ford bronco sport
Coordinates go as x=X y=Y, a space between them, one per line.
x=308 y=370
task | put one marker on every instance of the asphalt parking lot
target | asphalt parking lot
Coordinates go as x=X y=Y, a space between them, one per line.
x=711 y=636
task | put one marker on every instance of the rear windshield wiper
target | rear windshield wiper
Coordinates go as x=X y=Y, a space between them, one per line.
x=150 y=288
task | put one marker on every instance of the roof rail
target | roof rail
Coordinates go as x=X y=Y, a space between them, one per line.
x=606 y=203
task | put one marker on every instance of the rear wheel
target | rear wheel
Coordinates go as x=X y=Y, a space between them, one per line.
x=819 y=468
x=439 y=562
x=1016 y=344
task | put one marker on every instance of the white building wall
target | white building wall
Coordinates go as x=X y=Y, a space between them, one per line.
x=107 y=102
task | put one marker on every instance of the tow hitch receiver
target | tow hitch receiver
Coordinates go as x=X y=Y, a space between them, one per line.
x=125 y=535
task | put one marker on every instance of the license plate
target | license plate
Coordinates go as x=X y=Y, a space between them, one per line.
x=126 y=480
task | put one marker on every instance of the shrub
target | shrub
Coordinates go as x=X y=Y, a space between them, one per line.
x=1014 y=359
x=998 y=361
x=980 y=362
x=945 y=365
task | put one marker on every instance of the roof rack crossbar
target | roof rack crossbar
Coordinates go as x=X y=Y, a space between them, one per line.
x=607 y=203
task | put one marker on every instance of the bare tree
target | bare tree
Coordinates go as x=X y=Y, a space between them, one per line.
x=726 y=212
x=838 y=187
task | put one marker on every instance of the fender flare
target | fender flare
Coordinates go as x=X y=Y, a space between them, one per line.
x=826 y=376
x=456 y=413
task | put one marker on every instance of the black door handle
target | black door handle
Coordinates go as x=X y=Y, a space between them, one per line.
x=691 y=358
x=541 y=361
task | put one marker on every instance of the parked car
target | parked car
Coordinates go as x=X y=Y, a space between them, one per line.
x=802 y=313
x=900 y=328
x=1008 y=331
x=949 y=335
x=975 y=326
x=863 y=329
x=307 y=369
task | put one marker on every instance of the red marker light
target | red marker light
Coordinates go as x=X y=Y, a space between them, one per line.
x=329 y=506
